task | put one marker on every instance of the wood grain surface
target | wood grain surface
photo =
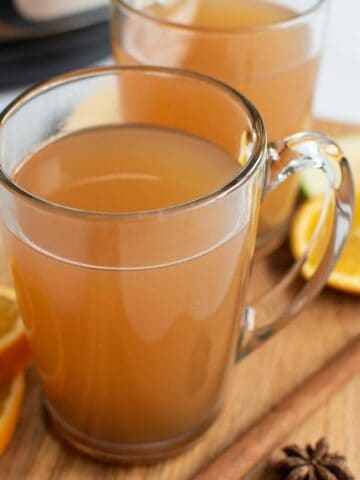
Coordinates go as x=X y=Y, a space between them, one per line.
x=259 y=382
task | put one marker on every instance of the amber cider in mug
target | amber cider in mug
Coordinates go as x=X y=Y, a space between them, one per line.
x=268 y=50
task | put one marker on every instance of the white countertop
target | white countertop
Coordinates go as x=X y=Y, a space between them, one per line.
x=338 y=89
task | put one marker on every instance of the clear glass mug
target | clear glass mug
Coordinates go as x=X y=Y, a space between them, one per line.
x=275 y=65
x=136 y=319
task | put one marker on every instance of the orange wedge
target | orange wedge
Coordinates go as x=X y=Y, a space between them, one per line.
x=14 y=347
x=346 y=275
x=11 y=395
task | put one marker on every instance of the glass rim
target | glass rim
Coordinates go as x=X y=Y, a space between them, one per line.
x=288 y=23
x=256 y=156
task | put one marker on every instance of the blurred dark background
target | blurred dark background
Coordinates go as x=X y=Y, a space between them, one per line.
x=40 y=38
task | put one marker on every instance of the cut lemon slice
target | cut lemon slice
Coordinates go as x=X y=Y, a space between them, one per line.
x=346 y=275
x=11 y=395
x=14 y=347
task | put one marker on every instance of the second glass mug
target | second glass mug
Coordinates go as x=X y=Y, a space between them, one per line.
x=274 y=62
x=136 y=318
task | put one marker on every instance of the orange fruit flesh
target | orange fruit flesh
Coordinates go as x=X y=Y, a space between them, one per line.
x=11 y=396
x=14 y=347
x=346 y=274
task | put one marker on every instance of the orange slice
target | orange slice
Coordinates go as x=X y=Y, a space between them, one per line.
x=346 y=275
x=11 y=395
x=14 y=347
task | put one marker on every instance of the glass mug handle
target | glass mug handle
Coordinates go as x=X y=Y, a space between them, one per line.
x=287 y=157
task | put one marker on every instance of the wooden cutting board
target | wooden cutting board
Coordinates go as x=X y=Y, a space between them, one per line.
x=259 y=382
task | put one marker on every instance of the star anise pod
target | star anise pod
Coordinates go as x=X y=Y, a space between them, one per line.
x=313 y=463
